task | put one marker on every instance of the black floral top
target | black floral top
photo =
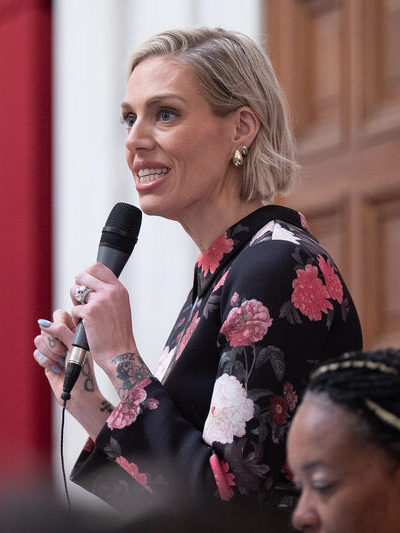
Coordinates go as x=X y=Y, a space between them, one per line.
x=267 y=305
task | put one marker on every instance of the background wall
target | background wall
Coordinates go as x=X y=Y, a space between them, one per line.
x=92 y=44
x=25 y=228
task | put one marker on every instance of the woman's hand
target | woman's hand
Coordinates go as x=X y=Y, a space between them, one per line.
x=53 y=345
x=106 y=315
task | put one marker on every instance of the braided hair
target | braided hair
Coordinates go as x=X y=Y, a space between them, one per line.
x=367 y=383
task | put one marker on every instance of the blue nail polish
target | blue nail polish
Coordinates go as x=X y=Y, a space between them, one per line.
x=39 y=356
x=56 y=369
x=44 y=323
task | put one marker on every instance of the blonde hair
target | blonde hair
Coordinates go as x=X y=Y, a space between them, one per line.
x=233 y=71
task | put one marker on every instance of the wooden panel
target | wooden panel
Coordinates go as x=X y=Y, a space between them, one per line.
x=329 y=227
x=381 y=66
x=382 y=270
x=338 y=62
x=319 y=71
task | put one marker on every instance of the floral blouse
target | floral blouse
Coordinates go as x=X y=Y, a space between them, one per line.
x=267 y=305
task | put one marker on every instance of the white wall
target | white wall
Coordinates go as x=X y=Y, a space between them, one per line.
x=92 y=44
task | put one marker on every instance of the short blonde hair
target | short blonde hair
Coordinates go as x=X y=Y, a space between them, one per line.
x=233 y=71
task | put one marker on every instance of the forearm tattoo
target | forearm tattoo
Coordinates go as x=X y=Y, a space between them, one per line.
x=106 y=406
x=130 y=370
x=89 y=381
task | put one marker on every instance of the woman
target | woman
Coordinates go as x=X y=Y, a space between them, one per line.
x=344 y=446
x=208 y=144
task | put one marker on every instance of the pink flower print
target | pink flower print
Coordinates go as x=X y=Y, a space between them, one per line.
x=234 y=299
x=247 y=323
x=278 y=409
x=230 y=410
x=290 y=396
x=152 y=403
x=128 y=409
x=332 y=281
x=303 y=221
x=221 y=281
x=223 y=478
x=188 y=333
x=210 y=260
x=133 y=471
x=310 y=294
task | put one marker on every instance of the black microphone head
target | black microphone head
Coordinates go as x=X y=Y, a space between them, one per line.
x=122 y=227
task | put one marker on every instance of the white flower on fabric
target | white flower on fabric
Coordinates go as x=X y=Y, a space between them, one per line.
x=268 y=228
x=164 y=362
x=282 y=234
x=229 y=412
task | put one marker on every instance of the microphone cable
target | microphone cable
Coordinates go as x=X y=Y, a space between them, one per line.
x=62 y=455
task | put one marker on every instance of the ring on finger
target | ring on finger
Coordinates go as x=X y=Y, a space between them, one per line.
x=81 y=292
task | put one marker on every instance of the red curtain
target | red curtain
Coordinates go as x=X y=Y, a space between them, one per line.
x=25 y=234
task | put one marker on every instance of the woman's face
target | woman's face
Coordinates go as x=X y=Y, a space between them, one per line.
x=347 y=484
x=179 y=152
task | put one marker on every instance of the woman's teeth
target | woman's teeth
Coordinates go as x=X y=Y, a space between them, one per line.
x=147 y=175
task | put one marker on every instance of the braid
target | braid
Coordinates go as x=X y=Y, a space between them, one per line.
x=368 y=383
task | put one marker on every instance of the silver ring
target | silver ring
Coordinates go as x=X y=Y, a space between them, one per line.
x=81 y=291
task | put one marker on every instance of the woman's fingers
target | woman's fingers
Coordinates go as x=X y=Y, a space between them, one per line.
x=54 y=340
x=95 y=278
x=58 y=337
x=48 y=363
x=62 y=317
x=51 y=348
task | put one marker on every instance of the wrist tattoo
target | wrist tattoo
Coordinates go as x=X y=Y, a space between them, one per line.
x=106 y=406
x=89 y=382
x=131 y=369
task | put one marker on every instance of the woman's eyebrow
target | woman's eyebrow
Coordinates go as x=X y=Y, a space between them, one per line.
x=313 y=465
x=156 y=99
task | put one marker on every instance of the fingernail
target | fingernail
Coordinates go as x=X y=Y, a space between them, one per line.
x=44 y=323
x=56 y=369
x=39 y=356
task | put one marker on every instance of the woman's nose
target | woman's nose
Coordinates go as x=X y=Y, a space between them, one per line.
x=305 y=516
x=139 y=137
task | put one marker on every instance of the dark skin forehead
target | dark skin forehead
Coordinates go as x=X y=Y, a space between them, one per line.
x=327 y=435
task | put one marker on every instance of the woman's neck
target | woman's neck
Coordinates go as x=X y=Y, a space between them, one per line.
x=204 y=228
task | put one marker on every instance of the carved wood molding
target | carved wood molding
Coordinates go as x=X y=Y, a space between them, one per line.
x=317 y=7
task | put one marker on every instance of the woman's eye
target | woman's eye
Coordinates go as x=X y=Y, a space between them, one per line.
x=324 y=489
x=128 y=120
x=166 y=115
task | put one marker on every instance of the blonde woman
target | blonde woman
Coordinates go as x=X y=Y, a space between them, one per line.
x=209 y=144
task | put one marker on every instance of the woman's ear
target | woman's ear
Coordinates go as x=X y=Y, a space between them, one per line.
x=247 y=125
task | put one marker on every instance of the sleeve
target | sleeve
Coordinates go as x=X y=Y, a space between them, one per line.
x=274 y=314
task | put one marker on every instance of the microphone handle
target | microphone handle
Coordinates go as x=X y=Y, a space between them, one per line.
x=115 y=260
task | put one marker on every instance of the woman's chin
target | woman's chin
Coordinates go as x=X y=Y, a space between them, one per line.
x=156 y=208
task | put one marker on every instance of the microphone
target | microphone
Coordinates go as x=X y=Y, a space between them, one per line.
x=118 y=238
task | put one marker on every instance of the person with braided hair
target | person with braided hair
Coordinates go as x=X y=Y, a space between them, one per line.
x=344 y=446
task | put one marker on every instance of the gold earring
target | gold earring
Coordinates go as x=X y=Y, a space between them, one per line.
x=238 y=158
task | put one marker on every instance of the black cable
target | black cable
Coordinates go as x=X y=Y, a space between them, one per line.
x=62 y=454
